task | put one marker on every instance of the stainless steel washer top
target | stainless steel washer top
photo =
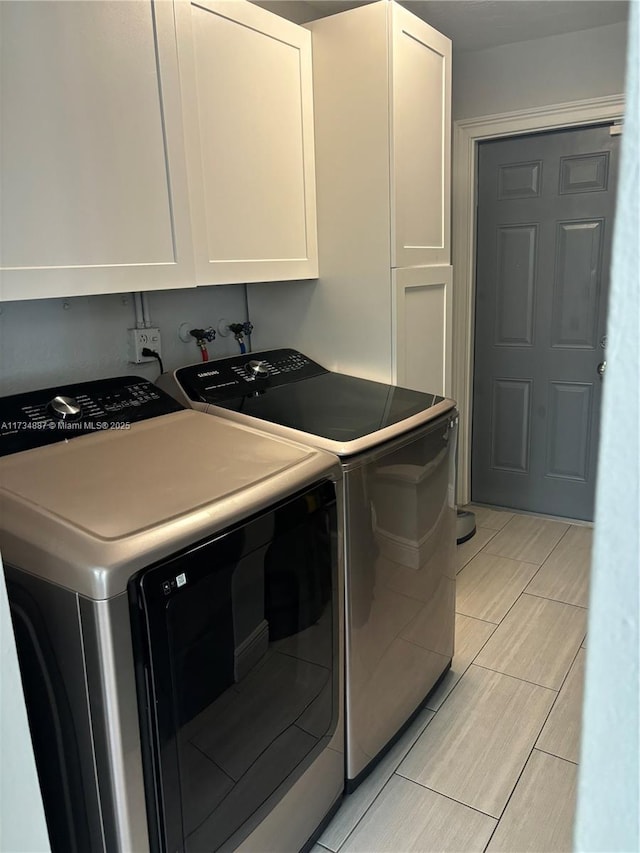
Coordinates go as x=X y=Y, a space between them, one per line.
x=86 y=508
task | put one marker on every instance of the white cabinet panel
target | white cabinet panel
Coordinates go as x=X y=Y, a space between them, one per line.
x=94 y=196
x=421 y=142
x=246 y=77
x=382 y=115
x=423 y=323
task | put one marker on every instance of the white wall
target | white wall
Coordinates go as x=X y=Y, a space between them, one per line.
x=43 y=343
x=22 y=823
x=552 y=70
x=608 y=788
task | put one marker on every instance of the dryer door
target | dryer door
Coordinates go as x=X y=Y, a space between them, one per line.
x=238 y=669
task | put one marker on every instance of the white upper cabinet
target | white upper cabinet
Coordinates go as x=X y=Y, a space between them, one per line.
x=420 y=142
x=382 y=91
x=93 y=184
x=248 y=103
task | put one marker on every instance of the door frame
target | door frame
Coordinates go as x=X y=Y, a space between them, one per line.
x=467 y=133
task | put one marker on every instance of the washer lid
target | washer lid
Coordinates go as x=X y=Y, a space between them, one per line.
x=341 y=409
x=102 y=500
x=297 y=398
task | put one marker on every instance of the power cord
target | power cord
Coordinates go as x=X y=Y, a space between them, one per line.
x=151 y=353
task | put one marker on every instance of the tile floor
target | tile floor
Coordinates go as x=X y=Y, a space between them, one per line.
x=491 y=763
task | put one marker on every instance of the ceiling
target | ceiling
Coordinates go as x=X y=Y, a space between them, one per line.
x=478 y=24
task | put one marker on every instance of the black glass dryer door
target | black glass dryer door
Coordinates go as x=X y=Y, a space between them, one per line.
x=240 y=665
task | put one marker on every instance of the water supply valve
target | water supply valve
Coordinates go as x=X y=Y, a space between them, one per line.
x=239 y=331
x=203 y=337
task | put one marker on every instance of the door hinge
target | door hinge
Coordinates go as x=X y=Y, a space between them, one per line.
x=616 y=128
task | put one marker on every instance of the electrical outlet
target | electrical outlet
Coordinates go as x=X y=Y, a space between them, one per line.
x=141 y=338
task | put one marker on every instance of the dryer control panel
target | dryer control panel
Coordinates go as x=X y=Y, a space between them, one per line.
x=228 y=378
x=42 y=417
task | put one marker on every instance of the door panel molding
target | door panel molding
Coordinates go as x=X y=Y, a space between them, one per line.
x=523 y=180
x=584 y=174
x=517 y=251
x=576 y=329
x=567 y=454
x=467 y=134
x=511 y=404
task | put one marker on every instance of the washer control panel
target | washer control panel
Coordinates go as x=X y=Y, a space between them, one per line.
x=238 y=376
x=44 y=417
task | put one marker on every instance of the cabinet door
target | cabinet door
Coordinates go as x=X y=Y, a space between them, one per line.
x=422 y=325
x=94 y=190
x=247 y=88
x=420 y=142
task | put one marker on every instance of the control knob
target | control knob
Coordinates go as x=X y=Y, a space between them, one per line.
x=257 y=369
x=65 y=408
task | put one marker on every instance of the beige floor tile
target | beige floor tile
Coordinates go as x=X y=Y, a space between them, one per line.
x=565 y=573
x=493 y=518
x=407 y=817
x=477 y=744
x=537 y=641
x=561 y=733
x=527 y=538
x=488 y=586
x=470 y=548
x=539 y=817
x=355 y=805
x=471 y=635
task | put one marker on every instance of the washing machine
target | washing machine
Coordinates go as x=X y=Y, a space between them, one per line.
x=397 y=450
x=175 y=589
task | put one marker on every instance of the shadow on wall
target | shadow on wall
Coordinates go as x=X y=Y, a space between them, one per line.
x=51 y=341
x=552 y=70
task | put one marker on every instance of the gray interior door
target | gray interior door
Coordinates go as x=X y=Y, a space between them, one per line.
x=545 y=221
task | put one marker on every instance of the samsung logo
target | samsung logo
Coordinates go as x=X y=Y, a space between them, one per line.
x=208 y=373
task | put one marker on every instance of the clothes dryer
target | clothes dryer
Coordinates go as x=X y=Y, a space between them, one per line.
x=175 y=587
